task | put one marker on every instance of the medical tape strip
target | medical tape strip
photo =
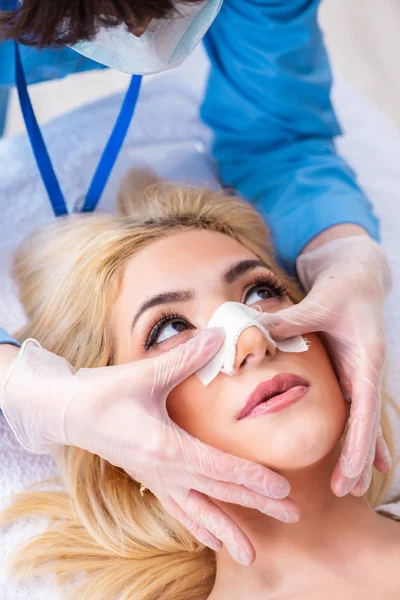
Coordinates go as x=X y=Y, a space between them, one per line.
x=234 y=318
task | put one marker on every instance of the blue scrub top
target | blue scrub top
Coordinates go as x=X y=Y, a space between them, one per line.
x=42 y=65
x=268 y=103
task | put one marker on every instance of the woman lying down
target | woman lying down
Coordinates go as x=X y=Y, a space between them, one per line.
x=107 y=538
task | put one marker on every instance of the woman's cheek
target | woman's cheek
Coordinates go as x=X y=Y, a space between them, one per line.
x=326 y=378
x=187 y=404
x=198 y=410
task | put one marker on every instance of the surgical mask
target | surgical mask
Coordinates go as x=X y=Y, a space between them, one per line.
x=165 y=44
x=233 y=318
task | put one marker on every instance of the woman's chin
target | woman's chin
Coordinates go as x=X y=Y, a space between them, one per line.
x=298 y=437
x=299 y=451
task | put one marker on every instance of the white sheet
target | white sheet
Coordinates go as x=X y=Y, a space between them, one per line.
x=167 y=112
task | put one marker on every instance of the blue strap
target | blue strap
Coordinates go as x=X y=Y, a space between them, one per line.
x=4 y=100
x=42 y=157
x=114 y=144
x=37 y=142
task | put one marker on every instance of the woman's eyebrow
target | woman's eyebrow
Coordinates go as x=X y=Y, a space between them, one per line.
x=163 y=298
x=240 y=268
x=230 y=276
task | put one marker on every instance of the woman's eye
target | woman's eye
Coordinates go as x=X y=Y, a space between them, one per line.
x=257 y=294
x=170 y=330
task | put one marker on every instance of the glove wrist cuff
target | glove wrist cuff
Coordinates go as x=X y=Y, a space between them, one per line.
x=33 y=398
x=14 y=366
x=360 y=249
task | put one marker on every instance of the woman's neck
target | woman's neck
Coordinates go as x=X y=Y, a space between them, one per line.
x=331 y=532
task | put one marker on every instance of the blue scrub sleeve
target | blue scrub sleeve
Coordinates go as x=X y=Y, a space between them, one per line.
x=5 y=338
x=42 y=65
x=268 y=103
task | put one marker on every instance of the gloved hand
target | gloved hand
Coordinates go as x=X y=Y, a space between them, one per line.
x=347 y=280
x=119 y=413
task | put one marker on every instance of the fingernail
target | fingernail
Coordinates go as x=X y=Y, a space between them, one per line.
x=214 y=546
x=349 y=467
x=388 y=461
x=357 y=492
x=346 y=487
x=243 y=558
x=279 y=490
x=290 y=517
x=206 y=342
x=387 y=467
x=387 y=457
x=365 y=482
x=359 y=489
x=212 y=336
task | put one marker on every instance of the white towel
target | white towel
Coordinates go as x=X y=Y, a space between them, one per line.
x=18 y=469
x=167 y=113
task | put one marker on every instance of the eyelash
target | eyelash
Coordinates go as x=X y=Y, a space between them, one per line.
x=270 y=280
x=166 y=317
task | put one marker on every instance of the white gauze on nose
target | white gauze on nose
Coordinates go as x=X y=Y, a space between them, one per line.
x=233 y=318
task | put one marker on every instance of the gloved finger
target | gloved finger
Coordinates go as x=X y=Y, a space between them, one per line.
x=342 y=373
x=202 y=510
x=341 y=485
x=383 y=459
x=307 y=316
x=363 y=483
x=285 y=510
x=201 y=459
x=363 y=423
x=198 y=531
x=173 y=367
x=365 y=479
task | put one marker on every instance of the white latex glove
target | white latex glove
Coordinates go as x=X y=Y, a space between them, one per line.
x=119 y=413
x=347 y=280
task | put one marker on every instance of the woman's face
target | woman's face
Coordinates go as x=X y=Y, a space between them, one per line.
x=169 y=292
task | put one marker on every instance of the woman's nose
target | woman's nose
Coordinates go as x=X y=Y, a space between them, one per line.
x=251 y=348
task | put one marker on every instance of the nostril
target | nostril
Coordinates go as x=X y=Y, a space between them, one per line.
x=246 y=359
x=251 y=348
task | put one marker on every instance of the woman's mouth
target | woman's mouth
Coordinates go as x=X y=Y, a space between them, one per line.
x=275 y=394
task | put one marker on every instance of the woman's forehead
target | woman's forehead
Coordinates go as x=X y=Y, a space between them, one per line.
x=182 y=260
x=187 y=252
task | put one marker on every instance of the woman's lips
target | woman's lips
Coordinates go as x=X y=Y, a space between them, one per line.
x=273 y=395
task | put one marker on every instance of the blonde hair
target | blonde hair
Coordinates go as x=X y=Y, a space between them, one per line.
x=126 y=546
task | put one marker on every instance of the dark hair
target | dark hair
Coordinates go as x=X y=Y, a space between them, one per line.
x=44 y=23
